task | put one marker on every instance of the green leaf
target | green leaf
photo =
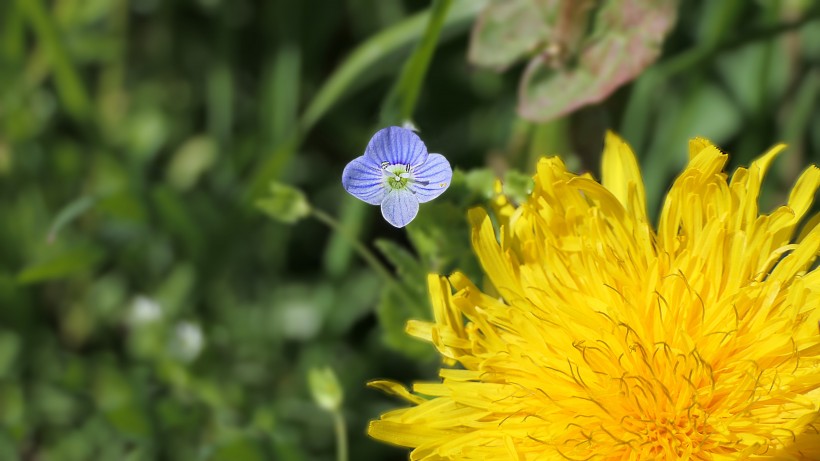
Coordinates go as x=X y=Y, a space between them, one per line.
x=627 y=38
x=282 y=83
x=68 y=214
x=177 y=217
x=239 y=448
x=394 y=310
x=353 y=217
x=360 y=290
x=129 y=420
x=441 y=236
x=191 y=160
x=508 y=30
x=116 y=398
x=145 y=132
x=405 y=300
x=400 y=102
x=518 y=186
x=175 y=291
x=67 y=78
x=52 y=403
x=408 y=267
x=285 y=203
x=220 y=91
x=376 y=49
x=480 y=181
x=13 y=403
x=325 y=388
x=64 y=264
x=9 y=349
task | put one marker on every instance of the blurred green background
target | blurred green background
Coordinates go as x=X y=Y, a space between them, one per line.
x=149 y=309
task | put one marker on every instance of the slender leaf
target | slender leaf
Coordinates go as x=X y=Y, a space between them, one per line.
x=67 y=263
x=68 y=214
x=69 y=85
x=400 y=102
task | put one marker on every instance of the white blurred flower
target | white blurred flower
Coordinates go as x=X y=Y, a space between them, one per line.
x=188 y=341
x=143 y=311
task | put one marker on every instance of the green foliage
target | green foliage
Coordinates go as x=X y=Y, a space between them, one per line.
x=325 y=388
x=404 y=300
x=149 y=306
x=400 y=102
x=285 y=203
x=63 y=263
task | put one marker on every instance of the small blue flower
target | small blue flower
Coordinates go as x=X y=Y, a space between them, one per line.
x=397 y=173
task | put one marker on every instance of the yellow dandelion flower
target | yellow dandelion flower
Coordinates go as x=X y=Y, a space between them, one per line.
x=605 y=339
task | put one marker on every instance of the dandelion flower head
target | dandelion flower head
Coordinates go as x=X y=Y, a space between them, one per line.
x=599 y=337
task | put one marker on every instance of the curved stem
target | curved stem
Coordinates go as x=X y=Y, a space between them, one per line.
x=362 y=250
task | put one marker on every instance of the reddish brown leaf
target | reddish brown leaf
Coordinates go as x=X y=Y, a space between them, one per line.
x=627 y=38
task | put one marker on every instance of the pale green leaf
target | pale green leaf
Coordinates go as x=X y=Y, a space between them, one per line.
x=69 y=262
x=285 y=203
x=325 y=388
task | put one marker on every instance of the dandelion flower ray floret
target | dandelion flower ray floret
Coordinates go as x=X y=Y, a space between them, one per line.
x=599 y=337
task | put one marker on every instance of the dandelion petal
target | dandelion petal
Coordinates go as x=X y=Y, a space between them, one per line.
x=396 y=145
x=432 y=178
x=364 y=180
x=399 y=207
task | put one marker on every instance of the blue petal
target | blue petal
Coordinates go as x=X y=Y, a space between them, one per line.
x=432 y=178
x=364 y=180
x=399 y=207
x=396 y=145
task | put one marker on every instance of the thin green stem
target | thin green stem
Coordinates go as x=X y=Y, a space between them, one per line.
x=341 y=436
x=360 y=248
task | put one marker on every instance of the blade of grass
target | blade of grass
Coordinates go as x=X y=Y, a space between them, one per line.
x=375 y=50
x=284 y=90
x=12 y=38
x=68 y=214
x=401 y=101
x=69 y=85
x=220 y=101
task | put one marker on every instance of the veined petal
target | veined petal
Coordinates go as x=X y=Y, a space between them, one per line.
x=364 y=179
x=432 y=178
x=399 y=207
x=396 y=145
